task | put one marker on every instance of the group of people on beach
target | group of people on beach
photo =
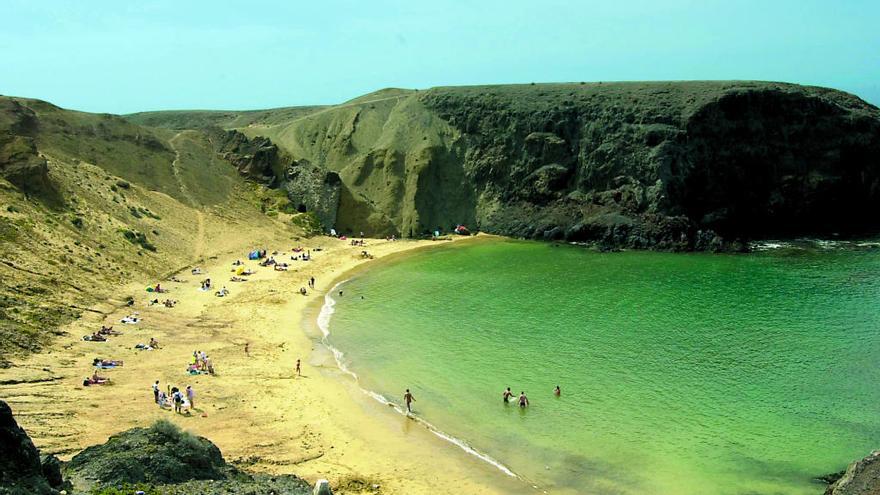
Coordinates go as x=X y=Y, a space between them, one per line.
x=172 y=397
x=200 y=363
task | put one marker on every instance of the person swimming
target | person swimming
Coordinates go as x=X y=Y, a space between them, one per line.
x=557 y=392
x=507 y=395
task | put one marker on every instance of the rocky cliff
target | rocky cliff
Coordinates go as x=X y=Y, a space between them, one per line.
x=689 y=165
x=22 y=471
x=862 y=477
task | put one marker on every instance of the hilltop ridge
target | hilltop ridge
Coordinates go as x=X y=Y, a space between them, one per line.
x=663 y=165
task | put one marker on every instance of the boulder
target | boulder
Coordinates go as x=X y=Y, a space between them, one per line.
x=20 y=468
x=861 y=478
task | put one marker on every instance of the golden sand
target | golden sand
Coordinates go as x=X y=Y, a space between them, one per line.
x=319 y=425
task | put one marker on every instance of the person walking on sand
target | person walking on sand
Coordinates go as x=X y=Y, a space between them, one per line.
x=191 y=396
x=156 y=391
x=409 y=399
x=507 y=395
x=523 y=400
x=177 y=398
x=298 y=369
x=312 y=282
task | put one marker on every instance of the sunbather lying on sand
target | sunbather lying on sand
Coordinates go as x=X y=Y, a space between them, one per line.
x=170 y=303
x=175 y=279
x=238 y=279
x=106 y=363
x=281 y=267
x=95 y=380
x=95 y=337
x=237 y=263
x=131 y=320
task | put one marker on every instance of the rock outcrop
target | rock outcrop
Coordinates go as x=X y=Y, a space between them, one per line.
x=164 y=456
x=860 y=478
x=20 y=163
x=676 y=166
x=21 y=470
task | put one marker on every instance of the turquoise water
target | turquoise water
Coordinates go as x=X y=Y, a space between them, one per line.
x=680 y=373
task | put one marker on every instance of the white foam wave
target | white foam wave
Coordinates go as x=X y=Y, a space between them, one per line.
x=324 y=318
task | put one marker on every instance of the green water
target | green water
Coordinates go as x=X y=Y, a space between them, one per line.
x=680 y=373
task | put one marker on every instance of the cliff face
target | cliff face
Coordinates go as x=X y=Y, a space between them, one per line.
x=690 y=165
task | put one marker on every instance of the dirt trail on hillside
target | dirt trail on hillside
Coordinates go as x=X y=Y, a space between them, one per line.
x=199 y=244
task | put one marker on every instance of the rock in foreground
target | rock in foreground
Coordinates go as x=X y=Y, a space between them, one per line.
x=21 y=470
x=164 y=459
x=861 y=478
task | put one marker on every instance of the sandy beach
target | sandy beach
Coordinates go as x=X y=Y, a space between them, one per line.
x=262 y=416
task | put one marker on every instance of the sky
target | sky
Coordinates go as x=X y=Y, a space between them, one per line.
x=121 y=57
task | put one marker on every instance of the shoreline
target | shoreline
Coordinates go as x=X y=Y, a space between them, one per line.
x=315 y=426
x=338 y=355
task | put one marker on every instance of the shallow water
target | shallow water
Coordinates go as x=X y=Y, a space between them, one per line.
x=680 y=373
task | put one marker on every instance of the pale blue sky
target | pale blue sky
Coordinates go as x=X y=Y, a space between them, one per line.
x=117 y=56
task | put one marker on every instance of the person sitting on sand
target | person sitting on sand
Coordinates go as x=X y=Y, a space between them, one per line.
x=302 y=291
x=108 y=331
x=196 y=271
x=162 y=399
x=523 y=400
x=170 y=303
x=153 y=302
x=237 y=263
x=153 y=343
x=222 y=292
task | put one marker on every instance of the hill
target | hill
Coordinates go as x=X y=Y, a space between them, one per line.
x=666 y=165
x=679 y=165
x=92 y=201
x=197 y=119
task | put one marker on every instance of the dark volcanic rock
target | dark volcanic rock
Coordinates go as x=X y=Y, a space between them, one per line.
x=174 y=461
x=159 y=454
x=257 y=159
x=20 y=468
x=20 y=163
x=861 y=478
x=669 y=165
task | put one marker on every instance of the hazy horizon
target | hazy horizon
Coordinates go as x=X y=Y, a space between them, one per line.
x=163 y=56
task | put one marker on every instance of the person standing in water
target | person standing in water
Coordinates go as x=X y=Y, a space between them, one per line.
x=523 y=400
x=507 y=395
x=557 y=392
x=409 y=399
x=298 y=369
